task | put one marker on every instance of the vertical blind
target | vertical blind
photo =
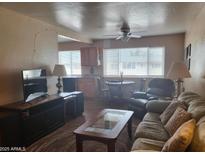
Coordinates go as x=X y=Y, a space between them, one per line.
x=71 y=60
x=145 y=61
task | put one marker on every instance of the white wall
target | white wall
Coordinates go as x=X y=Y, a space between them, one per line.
x=20 y=50
x=196 y=36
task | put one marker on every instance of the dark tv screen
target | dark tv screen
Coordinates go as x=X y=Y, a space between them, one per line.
x=34 y=84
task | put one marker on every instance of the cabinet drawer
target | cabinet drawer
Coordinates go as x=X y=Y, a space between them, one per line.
x=44 y=107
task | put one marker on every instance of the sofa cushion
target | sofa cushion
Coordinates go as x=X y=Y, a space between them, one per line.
x=147 y=145
x=177 y=119
x=152 y=117
x=198 y=141
x=187 y=97
x=181 y=138
x=168 y=112
x=151 y=130
x=197 y=108
x=157 y=106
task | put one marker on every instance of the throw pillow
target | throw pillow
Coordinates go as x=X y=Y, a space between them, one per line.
x=181 y=138
x=177 y=119
x=168 y=112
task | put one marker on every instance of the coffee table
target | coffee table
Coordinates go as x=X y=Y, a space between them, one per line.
x=105 y=128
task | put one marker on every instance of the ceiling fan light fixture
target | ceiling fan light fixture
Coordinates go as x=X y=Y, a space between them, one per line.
x=126 y=34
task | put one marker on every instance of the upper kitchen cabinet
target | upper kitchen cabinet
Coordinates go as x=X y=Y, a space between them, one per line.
x=90 y=56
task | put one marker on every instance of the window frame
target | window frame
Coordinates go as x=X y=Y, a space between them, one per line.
x=140 y=76
x=71 y=62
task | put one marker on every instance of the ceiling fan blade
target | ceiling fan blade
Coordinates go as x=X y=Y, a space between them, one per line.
x=111 y=35
x=119 y=37
x=135 y=36
x=136 y=32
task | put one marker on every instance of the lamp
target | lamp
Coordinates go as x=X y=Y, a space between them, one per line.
x=59 y=70
x=178 y=71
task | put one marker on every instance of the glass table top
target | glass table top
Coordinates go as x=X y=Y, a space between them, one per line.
x=106 y=122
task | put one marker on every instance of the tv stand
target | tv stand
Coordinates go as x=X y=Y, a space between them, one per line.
x=26 y=122
x=37 y=118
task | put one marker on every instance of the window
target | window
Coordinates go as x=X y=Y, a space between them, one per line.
x=71 y=60
x=134 y=61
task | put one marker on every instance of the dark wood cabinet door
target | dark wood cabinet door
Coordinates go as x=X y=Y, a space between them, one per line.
x=54 y=116
x=33 y=127
x=9 y=129
x=70 y=107
x=80 y=104
x=69 y=84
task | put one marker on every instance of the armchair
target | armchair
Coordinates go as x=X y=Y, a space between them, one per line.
x=158 y=88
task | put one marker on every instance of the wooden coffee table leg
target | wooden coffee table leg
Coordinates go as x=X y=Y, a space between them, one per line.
x=129 y=128
x=79 y=144
x=111 y=146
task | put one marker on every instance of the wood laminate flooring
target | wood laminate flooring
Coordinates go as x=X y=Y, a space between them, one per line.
x=63 y=138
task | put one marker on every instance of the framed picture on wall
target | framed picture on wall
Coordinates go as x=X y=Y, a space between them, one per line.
x=187 y=53
x=188 y=56
x=189 y=50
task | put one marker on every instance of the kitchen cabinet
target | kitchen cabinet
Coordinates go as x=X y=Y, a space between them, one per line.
x=90 y=56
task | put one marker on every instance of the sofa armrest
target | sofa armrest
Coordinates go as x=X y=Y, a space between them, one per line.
x=140 y=95
x=157 y=106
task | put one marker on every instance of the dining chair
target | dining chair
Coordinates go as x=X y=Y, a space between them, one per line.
x=115 y=89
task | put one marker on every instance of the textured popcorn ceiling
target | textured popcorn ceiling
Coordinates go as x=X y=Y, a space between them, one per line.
x=95 y=20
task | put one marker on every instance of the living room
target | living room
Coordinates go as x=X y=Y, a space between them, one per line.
x=99 y=61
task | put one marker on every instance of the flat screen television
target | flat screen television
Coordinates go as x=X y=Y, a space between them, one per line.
x=34 y=84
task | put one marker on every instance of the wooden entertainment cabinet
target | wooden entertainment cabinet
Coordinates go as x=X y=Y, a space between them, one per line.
x=36 y=119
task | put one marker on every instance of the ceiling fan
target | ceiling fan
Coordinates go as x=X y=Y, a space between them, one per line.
x=126 y=34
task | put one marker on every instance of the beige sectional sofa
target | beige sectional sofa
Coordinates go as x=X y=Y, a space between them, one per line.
x=151 y=134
